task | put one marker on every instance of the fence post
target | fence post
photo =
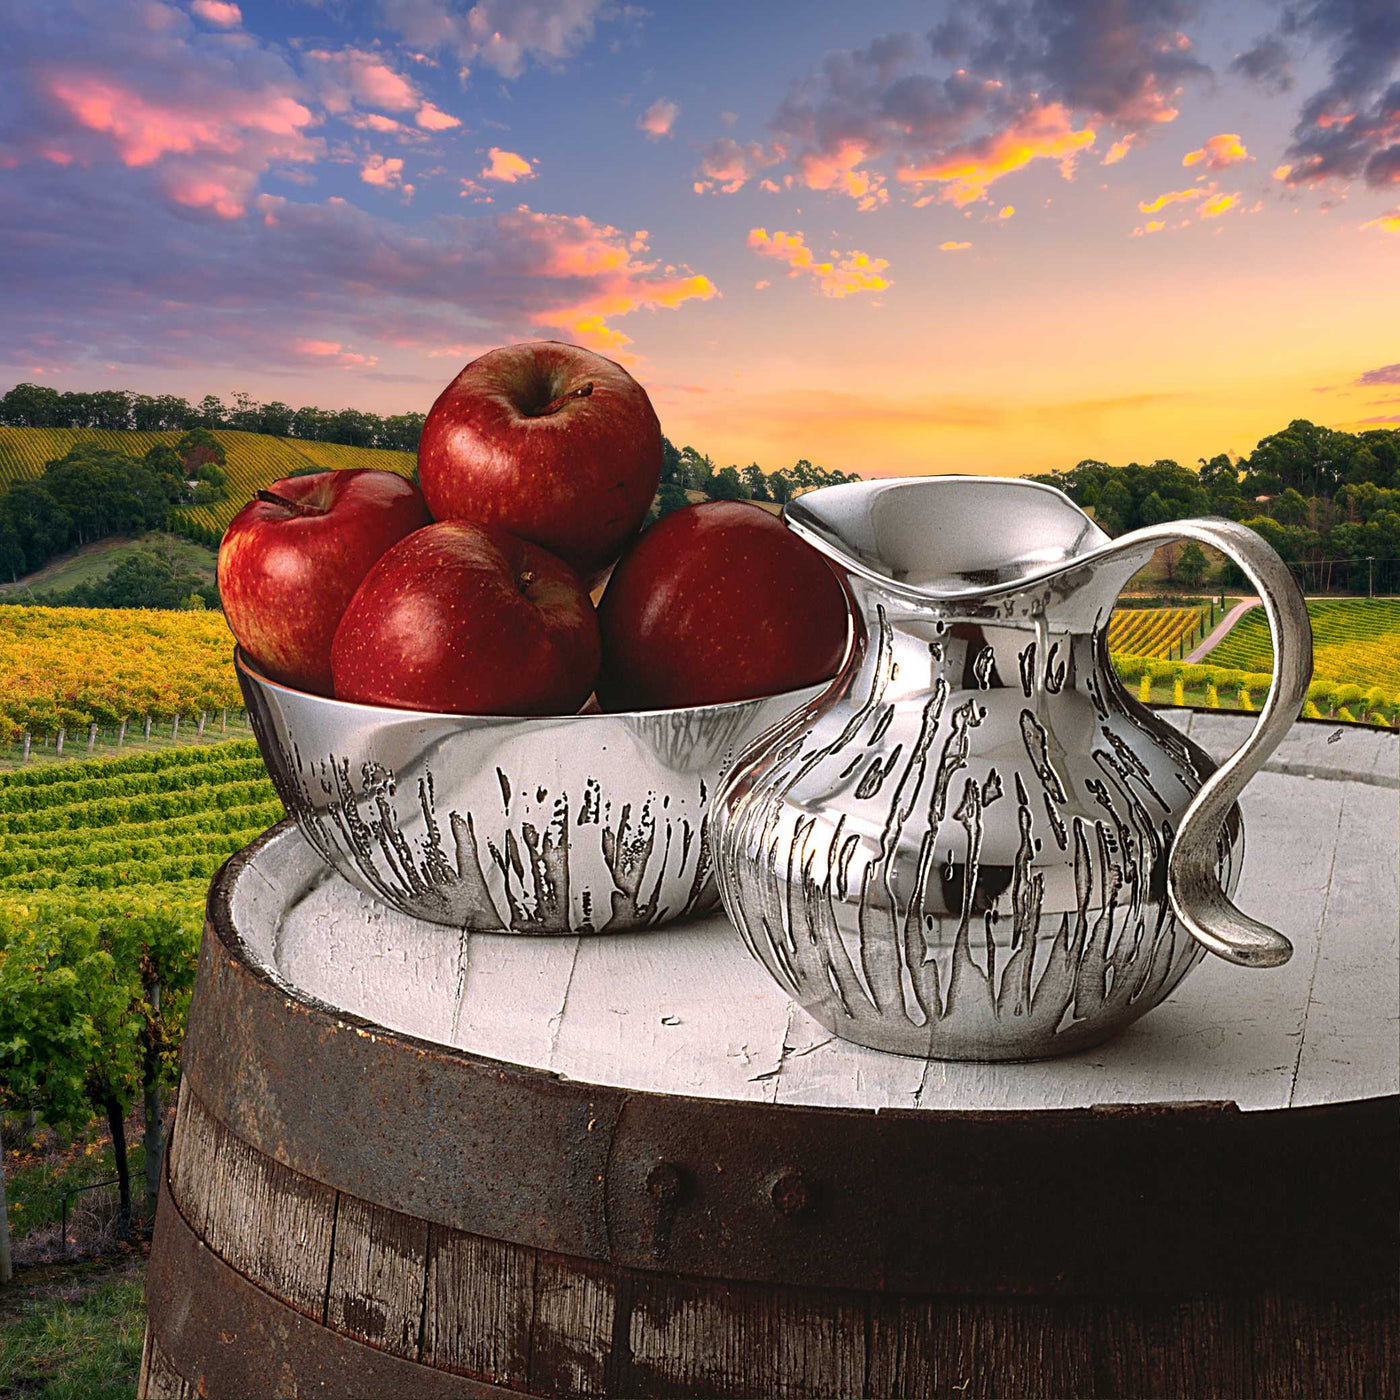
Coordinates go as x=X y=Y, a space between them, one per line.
x=203 y=715
x=28 y=739
x=147 y=734
x=175 y=729
x=92 y=737
x=223 y=720
x=121 y=734
x=58 y=743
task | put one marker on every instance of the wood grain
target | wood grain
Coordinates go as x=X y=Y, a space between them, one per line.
x=264 y=1219
x=378 y=1276
x=479 y=1305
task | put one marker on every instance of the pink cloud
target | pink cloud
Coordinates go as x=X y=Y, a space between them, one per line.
x=658 y=119
x=221 y=12
x=431 y=118
x=209 y=141
x=376 y=121
x=333 y=352
x=385 y=172
x=349 y=77
x=223 y=193
x=728 y=166
x=506 y=166
x=144 y=130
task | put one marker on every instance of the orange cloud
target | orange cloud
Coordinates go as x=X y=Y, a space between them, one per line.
x=856 y=272
x=1006 y=212
x=1389 y=222
x=506 y=166
x=1282 y=172
x=220 y=12
x=658 y=119
x=1151 y=206
x=1044 y=133
x=951 y=247
x=1119 y=149
x=1218 y=152
x=1218 y=204
x=559 y=246
x=1151 y=226
x=827 y=170
x=431 y=118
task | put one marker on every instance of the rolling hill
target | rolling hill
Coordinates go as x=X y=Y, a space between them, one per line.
x=255 y=460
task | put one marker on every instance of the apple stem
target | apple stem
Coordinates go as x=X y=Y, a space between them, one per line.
x=582 y=392
x=296 y=507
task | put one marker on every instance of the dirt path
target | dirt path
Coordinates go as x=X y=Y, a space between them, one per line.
x=1218 y=633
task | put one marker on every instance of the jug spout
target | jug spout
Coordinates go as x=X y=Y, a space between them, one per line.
x=953 y=538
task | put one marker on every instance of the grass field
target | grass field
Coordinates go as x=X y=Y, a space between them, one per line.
x=94 y=562
x=1356 y=641
x=73 y=1334
x=254 y=460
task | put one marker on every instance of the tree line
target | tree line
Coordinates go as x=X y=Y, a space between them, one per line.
x=1327 y=501
x=38 y=406
x=684 y=469
x=92 y=492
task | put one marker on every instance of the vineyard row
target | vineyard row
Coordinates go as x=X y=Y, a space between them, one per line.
x=105 y=811
x=34 y=798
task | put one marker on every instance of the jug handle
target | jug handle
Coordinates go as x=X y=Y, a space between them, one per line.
x=1192 y=884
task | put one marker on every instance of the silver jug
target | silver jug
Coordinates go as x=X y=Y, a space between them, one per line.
x=974 y=844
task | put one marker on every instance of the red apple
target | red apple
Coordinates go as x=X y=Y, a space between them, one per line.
x=718 y=601
x=293 y=557
x=467 y=619
x=553 y=443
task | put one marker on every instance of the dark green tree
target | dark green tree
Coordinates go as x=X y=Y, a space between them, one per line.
x=672 y=469
x=40 y=521
x=727 y=485
x=1192 y=565
x=756 y=483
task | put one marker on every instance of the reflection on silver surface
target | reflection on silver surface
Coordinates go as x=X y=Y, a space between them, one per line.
x=974 y=844
x=576 y=824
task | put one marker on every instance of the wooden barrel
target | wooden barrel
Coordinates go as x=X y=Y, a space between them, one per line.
x=408 y=1163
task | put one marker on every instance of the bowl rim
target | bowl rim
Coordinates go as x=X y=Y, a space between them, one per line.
x=243 y=666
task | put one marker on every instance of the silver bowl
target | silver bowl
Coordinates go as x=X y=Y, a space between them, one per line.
x=594 y=823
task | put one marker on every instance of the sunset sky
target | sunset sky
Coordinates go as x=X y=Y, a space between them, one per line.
x=886 y=237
